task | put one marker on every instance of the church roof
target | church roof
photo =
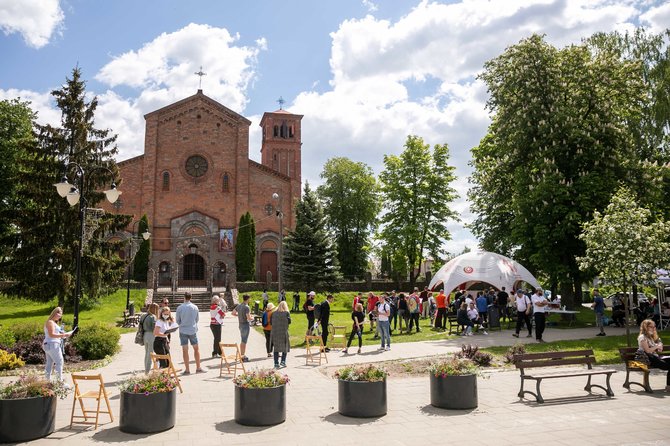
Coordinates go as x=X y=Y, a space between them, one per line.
x=200 y=96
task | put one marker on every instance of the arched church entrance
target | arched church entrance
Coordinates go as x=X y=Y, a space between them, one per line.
x=193 y=270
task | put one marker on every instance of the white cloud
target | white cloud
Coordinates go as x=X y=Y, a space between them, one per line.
x=370 y=5
x=657 y=19
x=41 y=103
x=35 y=20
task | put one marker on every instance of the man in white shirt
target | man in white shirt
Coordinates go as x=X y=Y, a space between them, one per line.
x=383 y=324
x=523 y=308
x=539 y=308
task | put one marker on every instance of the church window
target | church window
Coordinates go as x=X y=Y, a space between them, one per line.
x=226 y=183
x=276 y=131
x=196 y=166
x=166 y=180
x=290 y=132
x=283 y=131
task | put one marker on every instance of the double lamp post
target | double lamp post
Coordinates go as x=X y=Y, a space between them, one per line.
x=75 y=193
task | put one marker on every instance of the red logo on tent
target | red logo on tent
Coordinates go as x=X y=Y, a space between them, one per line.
x=468 y=270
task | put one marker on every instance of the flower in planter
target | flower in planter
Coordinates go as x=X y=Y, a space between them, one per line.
x=31 y=385
x=454 y=367
x=155 y=381
x=261 y=379
x=367 y=373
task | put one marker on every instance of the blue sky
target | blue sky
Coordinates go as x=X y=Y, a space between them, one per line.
x=364 y=73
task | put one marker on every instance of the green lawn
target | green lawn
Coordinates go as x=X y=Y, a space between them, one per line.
x=109 y=309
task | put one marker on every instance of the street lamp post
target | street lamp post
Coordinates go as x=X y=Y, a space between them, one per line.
x=75 y=194
x=280 y=216
x=133 y=238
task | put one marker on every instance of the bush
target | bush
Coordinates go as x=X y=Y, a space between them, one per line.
x=454 y=367
x=30 y=351
x=7 y=340
x=25 y=331
x=367 y=373
x=472 y=353
x=9 y=361
x=96 y=341
x=516 y=349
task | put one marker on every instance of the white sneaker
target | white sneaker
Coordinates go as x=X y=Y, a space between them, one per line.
x=388 y=348
x=485 y=332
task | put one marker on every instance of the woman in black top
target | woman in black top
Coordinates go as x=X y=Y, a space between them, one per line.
x=309 y=310
x=402 y=310
x=357 y=328
x=464 y=320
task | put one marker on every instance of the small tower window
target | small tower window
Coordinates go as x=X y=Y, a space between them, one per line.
x=226 y=183
x=290 y=132
x=276 y=131
x=166 y=180
x=283 y=131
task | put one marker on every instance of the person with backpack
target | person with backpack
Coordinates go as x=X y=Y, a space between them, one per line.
x=523 y=310
x=324 y=320
x=266 y=321
x=148 y=322
x=393 y=302
x=383 y=315
x=308 y=307
x=413 y=306
x=403 y=312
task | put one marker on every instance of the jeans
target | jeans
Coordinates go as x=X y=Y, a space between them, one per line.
x=663 y=364
x=268 y=340
x=402 y=314
x=384 y=329
x=394 y=318
x=296 y=305
x=216 y=332
x=244 y=332
x=540 y=322
x=414 y=319
x=54 y=356
x=148 y=349
x=184 y=339
x=358 y=333
x=283 y=358
x=521 y=318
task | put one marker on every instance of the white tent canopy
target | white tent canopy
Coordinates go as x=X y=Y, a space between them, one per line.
x=482 y=266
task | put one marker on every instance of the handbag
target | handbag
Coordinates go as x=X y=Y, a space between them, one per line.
x=641 y=356
x=139 y=335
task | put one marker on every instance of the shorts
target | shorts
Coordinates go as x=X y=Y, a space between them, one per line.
x=244 y=333
x=184 y=339
x=599 y=319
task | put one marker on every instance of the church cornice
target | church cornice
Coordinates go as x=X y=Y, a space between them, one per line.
x=130 y=160
x=269 y=170
x=199 y=96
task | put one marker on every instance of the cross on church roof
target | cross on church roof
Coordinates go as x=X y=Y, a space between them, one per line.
x=200 y=74
x=281 y=102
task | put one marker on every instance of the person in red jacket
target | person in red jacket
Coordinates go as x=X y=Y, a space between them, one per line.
x=372 y=309
x=442 y=302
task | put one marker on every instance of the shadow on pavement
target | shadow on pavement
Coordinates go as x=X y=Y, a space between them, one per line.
x=437 y=412
x=114 y=435
x=336 y=418
x=231 y=427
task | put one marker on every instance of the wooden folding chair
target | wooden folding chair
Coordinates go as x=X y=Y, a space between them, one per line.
x=338 y=334
x=97 y=395
x=233 y=360
x=314 y=343
x=170 y=370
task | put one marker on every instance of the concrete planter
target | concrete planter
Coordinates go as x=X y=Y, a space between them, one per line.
x=146 y=414
x=361 y=398
x=26 y=419
x=260 y=407
x=453 y=392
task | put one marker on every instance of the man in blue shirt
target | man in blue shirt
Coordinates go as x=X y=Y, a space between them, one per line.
x=598 y=306
x=482 y=307
x=187 y=318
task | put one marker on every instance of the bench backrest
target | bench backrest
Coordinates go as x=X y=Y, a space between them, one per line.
x=628 y=353
x=551 y=359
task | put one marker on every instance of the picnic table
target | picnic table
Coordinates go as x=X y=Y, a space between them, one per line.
x=572 y=318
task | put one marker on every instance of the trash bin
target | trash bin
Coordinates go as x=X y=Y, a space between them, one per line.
x=256 y=307
x=494 y=317
x=131 y=308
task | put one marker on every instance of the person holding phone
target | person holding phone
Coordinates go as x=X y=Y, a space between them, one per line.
x=53 y=340
x=357 y=328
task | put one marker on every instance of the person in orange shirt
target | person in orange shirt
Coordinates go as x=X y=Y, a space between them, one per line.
x=442 y=302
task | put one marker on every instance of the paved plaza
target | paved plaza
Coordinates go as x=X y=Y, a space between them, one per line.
x=205 y=409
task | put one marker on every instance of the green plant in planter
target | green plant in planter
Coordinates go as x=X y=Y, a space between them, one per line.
x=366 y=373
x=454 y=367
x=154 y=382
x=31 y=385
x=261 y=379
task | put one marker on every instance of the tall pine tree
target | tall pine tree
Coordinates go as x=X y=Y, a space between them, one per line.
x=310 y=258
x=47 y=228
x=141 y=262
x=245 y=249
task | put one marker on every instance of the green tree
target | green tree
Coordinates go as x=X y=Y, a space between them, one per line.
x=16 y=120
x=47 y=228
x=310 y=258
x=141 y=262
x=624 y=244
x=245 y=249
x=351 y=203
x=417 y=192
x=557 y=147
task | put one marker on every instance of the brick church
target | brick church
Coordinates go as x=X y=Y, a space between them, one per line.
x=195 y=180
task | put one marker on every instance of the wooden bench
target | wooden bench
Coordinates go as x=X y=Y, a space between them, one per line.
x=553 y=359
x=454 y=326
x=130 y=321
x=627 y=355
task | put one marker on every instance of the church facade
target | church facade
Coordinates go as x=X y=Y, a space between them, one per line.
x=195 y=180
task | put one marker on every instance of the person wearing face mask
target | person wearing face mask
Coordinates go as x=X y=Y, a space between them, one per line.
x=53 y=339
x=161 y=343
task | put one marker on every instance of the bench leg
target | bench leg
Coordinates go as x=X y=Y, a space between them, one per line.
x=647 y=387
x=538 y=397
x=609 y=390
x=521 y=392
x=626 y=383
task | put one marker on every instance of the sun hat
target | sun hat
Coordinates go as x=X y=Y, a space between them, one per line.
x=270 y=306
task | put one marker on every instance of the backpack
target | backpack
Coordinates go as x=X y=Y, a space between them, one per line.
x=317 y=311
x=412 y=305
x=139 y=335
x=264 y=319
